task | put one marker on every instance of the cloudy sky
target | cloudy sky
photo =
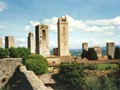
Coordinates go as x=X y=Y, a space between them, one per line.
x=92 y=21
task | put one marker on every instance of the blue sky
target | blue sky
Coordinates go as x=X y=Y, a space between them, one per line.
x=92 y=21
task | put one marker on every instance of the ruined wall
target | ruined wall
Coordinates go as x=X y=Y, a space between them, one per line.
x=7 y=68
x=15 y=75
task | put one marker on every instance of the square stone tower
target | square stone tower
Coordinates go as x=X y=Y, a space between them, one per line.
x=42 y=40
x=31 y=43
x=84 y=46
x=110 y=47
x=98 y=51
x=1 y=42
x=9 y=41
x=63 y=46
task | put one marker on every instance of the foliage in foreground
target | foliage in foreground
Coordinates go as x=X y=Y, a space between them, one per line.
x=37 y=63
x=3 y=53
x=12 y=52
x=100 y=83
x=72 y=74
x=20 y=52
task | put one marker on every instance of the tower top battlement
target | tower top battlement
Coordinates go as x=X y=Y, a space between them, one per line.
x=42 y=26
x=62 y=19
x=30 y=34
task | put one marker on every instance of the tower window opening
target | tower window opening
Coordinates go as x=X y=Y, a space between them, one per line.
x=43 y=34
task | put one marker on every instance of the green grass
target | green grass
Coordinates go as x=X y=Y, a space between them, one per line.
x=107 y=66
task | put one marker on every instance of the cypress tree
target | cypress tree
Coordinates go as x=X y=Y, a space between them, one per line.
x=83 y=55
x=117 y=53
x=91 y=54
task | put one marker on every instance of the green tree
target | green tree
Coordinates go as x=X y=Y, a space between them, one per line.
x=72 y=74
x=20 y=52
x=13 y=52
x=3 y=53
x=117 y=53
x=91 y=54
x=24 y=52
x=84 y=54
x=37 y=63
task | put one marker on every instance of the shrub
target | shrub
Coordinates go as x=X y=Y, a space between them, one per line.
x=13 y=52
x=20 y=52
x=3 y=53
x=90 y=66
x=100 y=83
x=72 y=74
x=37 y=63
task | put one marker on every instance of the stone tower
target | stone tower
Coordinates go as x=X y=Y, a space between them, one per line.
x=98 y=51
x=31 y=43
x=110 y=47
x=0 y=42
x=9 y=41
x=63 y=46
x=42 y=40
x=84 y=46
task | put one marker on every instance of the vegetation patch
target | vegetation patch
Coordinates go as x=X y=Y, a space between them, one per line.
x=107 y=66
x=72 y=74
x=37 y=63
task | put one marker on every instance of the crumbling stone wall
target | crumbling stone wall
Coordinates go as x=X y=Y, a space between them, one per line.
x=7 y=68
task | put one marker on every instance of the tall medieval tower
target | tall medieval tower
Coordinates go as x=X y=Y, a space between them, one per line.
x=9 y=41
x=42 y=40
x=63 y=46
x=31 y=42
x=84 y=46
x=0 y=42
x=110 y=49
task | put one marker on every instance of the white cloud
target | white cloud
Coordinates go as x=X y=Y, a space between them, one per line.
x=91 y=25
x=3 y=6
x=109 y=33
x=52 y=23
x=76 y=44
x=21 y=42
x=27 y=28
x=2 y=27
x=34 y=23
x=105 y=26
x=53 y=44
x=88 y=25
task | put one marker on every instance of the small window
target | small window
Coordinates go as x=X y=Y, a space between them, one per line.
x=43 y=34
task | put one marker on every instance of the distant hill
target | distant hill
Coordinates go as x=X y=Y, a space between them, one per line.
x=77 y=52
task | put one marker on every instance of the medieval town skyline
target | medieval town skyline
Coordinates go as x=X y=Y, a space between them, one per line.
x=89 y=21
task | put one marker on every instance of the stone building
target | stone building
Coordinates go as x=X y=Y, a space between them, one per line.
x=55 y=51
x=9 y=41
x=84 y=46
x=98 y=51
x=31 y=43
x=110 y=47
x=63 y=46
x=42 y=40
x=1 y=42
